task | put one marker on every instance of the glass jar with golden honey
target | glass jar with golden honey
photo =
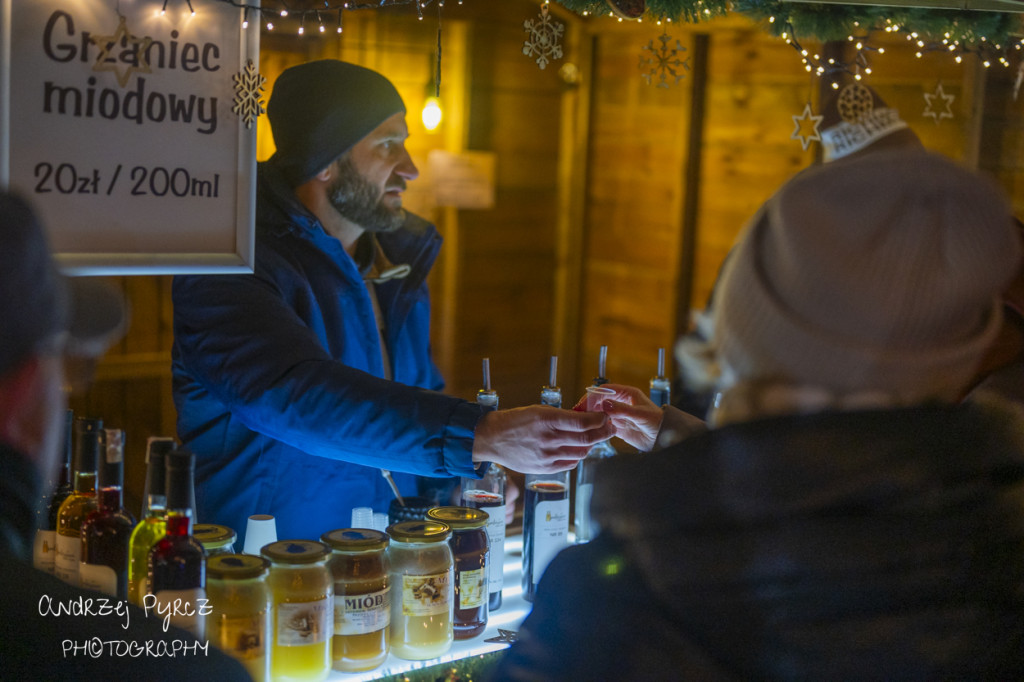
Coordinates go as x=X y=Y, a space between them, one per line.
x=302 y=593
x=362 y=597
x=214 y=539
x=421 y=574
x=469 y=547
x=239 y=619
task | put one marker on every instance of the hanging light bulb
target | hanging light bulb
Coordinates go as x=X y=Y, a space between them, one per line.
x=431 y=114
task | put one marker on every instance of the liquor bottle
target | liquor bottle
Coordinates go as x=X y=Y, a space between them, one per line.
x=73 y=511
x=45 y=547
x=107 y=531
x=177 y=564
x=153 y=523
x=488 y=494
x=661 y=387
x=583 y=524
x=545 y=511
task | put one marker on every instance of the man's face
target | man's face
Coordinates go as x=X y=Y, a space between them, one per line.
x=369 y=180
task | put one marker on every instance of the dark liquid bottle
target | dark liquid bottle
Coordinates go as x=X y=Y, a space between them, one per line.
x=106 y=531
x=545 y=525
x=469 y=546
x=45 y=549
x=177 y=565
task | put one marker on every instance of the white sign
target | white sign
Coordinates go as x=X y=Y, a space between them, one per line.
x=463 y=180
x=130 y=126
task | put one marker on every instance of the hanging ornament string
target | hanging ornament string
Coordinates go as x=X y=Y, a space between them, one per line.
x=437 y=73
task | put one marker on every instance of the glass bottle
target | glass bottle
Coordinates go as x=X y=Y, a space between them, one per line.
x=44 y=550
x=421 y=572
x=302 y=593
x=362 y=598
x=583 y=524
x=488 y=494
x=88 y=435
x=153 y=524
x=661 y=387
x=214 y=538
x=240 y=610
x=107 y=531
x=468 y=543
x=177 y=565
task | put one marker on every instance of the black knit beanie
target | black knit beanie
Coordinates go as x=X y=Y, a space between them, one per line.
x=319 y=110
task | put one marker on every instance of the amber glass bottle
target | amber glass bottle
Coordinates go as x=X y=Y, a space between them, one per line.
x=88 y=435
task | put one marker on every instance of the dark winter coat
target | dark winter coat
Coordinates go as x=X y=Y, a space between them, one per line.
x=838 y=546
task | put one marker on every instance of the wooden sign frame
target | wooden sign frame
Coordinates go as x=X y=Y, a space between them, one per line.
x=130 y=126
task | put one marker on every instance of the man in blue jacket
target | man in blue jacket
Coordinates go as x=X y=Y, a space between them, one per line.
x=295 y=385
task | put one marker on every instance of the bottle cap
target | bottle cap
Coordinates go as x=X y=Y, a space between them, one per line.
x=419 y=531
x=179 y=464
x=459 y=518
x=110 y=471
x=236 y=567
x=355 y=540
x=87 y=444
x=295 y=551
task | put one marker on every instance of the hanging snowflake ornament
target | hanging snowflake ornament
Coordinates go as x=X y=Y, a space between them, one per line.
x=805 y=122
x=938 y=105
x=663 y=62
x=543 y=38
x=248 y=102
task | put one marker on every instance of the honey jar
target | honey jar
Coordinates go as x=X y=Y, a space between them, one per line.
x=362 y=598
x=239 y=619
x=214 y=539
x=421 y=573
x=469 y=546
x=302 y=593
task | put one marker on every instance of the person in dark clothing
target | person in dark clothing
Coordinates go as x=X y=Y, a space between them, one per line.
x=296 y=385
x=48 y=629
x=844 y=515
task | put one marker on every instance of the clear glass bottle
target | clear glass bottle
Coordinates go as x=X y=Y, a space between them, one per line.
x=422 y=573
x=240 y=610
x=88 y=437
x=468 y=543
x=302 y=591
x=107 y=531
x=488 y=494
x=44 y=552
x=153 y=523
x=362 y=598
x=583 y=525
x=661 y=387
x=214 y=538
x=177 y=565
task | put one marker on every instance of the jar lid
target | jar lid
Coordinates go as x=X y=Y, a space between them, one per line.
x=419 y=531
x=295 y=551
x=212 y=535
x=459 y=518
x=355 y=540
x=236 y=566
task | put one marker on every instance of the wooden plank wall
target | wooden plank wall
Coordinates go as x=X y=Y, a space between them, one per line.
x=597 y=218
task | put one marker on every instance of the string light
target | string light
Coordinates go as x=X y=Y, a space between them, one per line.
x=163 y=10
x=189 y=3
x=245 y=18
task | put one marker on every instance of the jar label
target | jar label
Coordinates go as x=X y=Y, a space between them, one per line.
x=550 y=534
x=472 y=588
x=185 y=608
x=98 y=577
x=303 y=623
x=426 y=595
x=242 y=636
x=44 y=551
x=69 y=554
x=496 y=541
x=360 y=614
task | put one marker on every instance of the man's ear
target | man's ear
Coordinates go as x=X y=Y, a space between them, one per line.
x=326 y=174
x=19 y=399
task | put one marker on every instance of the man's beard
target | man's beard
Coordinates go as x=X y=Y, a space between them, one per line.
x=357 y=200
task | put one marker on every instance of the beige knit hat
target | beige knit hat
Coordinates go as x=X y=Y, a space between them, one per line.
x=876 y=272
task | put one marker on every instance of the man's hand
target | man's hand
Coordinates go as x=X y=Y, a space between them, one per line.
x=634 y=416
x=538 y=439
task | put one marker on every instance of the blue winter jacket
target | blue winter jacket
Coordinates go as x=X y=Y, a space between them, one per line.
x=278 y=377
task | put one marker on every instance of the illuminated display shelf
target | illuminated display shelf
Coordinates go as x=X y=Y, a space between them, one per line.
x=513 y=611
